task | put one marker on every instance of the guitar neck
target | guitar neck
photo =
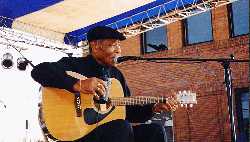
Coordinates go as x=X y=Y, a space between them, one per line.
x=137 y=100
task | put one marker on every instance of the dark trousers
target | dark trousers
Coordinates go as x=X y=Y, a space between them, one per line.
x=122 y=131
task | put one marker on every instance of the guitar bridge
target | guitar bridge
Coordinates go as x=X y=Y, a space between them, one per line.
x=78 y=107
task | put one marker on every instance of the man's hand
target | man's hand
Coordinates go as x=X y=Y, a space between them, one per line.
x=170 y=105
x=91 y=86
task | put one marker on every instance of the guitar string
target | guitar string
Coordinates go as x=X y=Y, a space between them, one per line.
x=134 y=100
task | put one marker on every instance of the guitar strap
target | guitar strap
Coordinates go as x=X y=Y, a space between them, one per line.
x=77 y=102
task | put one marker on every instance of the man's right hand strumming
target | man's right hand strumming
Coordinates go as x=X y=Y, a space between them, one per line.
x=91 y=85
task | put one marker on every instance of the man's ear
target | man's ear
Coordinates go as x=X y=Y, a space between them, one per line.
x=93 y=46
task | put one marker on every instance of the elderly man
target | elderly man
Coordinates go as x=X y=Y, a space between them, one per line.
x=104 y=43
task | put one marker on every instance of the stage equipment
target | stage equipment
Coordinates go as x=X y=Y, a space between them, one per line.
x=225 y=62
x=7 y=62
x=22 y=63
x=2 y=103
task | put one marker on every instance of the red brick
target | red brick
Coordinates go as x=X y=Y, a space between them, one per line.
x=209 y=119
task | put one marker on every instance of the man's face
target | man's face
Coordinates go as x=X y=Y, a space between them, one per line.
x=106 y=50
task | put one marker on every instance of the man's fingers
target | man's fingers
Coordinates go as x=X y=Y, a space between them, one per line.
x=94 y=85
x=99 y=81
x=171 y=105
x=100 y=92
x=173 y=102
x=100 y=86
x=168 y=106
x=165 y=107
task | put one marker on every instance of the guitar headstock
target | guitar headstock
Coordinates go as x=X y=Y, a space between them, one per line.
x=186 y=98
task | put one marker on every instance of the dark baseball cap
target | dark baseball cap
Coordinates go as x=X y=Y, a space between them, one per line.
x=104 y=32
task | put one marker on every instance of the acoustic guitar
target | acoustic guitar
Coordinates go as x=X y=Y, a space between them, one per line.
x=70 y=116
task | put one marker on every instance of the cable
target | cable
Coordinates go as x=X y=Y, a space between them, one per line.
x=28 y=61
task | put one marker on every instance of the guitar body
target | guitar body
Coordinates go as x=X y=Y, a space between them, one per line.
x=59 y=112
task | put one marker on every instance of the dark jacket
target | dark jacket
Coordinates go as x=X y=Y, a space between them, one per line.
x=52 y=74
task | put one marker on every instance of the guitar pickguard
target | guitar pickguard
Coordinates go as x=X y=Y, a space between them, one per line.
x=91 y=116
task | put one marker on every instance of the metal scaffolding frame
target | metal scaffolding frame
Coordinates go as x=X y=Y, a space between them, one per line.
x=177 y=14
x=132 y=28
x=19 y=40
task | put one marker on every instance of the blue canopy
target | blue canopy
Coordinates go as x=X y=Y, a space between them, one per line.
x=73 y=18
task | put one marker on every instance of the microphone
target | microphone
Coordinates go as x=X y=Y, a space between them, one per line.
x=125 y=58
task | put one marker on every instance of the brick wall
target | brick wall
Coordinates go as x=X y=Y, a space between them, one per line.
x=175 y=35
x=220 y=23
x=209 y=119
x=131 y=46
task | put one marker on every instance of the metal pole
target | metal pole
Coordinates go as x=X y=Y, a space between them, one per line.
x=229 y=88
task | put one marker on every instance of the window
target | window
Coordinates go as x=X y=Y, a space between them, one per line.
x=242 y=111
x=199 y=28
x=155 y=40
x=240 y=17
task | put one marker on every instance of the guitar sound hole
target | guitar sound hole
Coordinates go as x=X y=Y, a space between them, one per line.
x=105 y=105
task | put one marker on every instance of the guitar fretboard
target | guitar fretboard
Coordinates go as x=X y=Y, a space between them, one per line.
x=137 y=100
